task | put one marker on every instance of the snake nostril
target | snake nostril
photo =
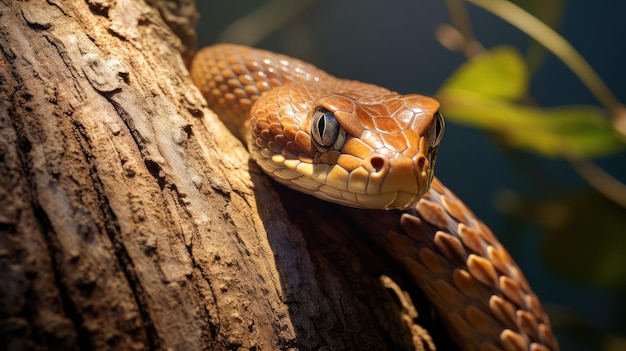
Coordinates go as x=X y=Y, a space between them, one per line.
x=378 y=163
x=421 y=162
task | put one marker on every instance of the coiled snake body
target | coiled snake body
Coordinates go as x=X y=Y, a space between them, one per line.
x=364 y=146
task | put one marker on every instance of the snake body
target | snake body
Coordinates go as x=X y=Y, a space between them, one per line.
x=364 y=146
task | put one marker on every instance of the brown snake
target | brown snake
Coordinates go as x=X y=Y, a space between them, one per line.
x=364 y=146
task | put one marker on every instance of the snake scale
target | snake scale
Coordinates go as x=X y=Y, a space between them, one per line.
x=364 y=146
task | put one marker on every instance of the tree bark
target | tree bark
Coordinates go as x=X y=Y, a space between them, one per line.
x=131 y=219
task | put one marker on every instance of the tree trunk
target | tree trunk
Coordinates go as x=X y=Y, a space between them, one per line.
x=131 y=219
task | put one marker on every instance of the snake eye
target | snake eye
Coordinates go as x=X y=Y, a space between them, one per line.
x=435 y=130
x=325 y=128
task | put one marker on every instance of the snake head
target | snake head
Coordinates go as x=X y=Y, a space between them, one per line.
x=373 y=151
x=389 y=151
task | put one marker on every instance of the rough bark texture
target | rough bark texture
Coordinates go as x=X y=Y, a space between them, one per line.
x=131 y=219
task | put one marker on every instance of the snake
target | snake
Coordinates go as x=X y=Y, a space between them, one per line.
x=364 y=146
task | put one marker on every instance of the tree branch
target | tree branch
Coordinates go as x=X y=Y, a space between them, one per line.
x=131 y=219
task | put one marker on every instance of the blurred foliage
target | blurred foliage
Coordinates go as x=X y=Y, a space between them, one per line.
x=583 y=230
x=486 y=91
x=582 y=239
x=569 y=251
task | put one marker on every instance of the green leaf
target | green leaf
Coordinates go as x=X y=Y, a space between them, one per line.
x=499 y=73
x=484 y=93
x=566 y=131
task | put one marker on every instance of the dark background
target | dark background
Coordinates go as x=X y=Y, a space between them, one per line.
x=392 y=44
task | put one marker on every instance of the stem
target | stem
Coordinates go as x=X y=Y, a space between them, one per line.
x=463 y=25
x=603 y=182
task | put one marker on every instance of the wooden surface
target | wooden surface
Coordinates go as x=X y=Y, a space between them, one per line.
x=131 y=219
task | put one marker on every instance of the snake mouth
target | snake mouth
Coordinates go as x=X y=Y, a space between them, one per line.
x=358 y=188
x=371 y=179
